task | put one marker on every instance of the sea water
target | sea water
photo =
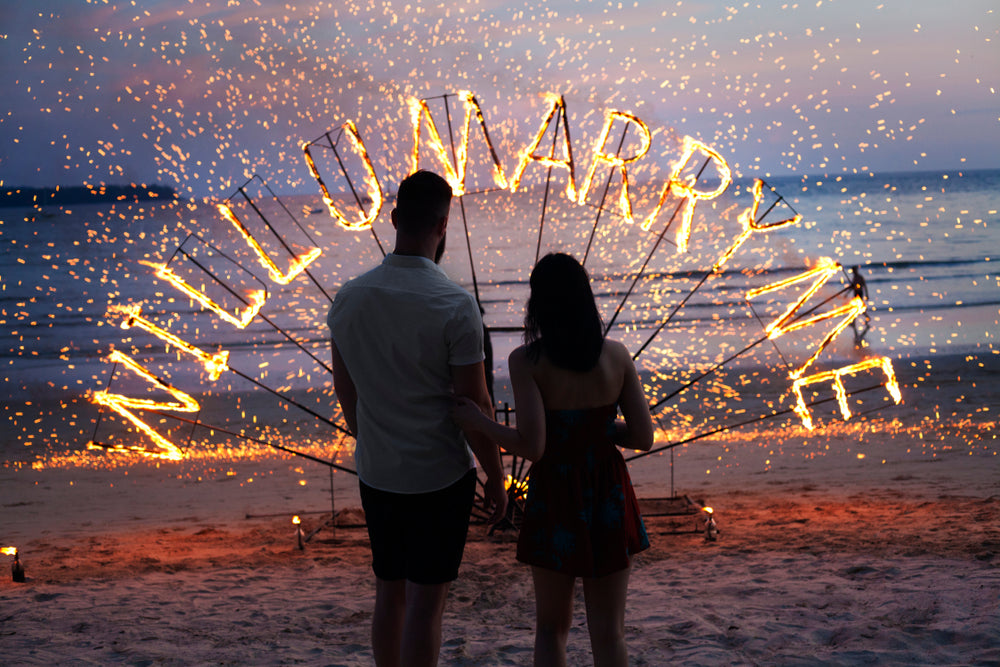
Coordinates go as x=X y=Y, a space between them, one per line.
x=925 y=242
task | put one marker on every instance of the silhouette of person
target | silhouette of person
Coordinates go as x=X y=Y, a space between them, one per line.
x=404 y=340
x=860 y=289
x=581 y=517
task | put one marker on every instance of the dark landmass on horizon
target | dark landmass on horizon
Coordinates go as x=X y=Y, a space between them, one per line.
x=61 y=196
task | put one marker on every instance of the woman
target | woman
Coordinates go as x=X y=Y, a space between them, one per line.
x=581 y=517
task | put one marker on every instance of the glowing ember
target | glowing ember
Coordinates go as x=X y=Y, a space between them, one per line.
x=373 y=189
x=255 y=298
x=748 y=220
x=124 y=405
x=454 y=174
x=825 y=268
x=685 y=190
x=215 y=364
x=882 y=363
x=615 y=161
x=519 y=485
x=297 y=264
x=557 y=106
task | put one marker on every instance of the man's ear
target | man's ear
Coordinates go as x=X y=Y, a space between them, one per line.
x=392 y=216
x=443 y=224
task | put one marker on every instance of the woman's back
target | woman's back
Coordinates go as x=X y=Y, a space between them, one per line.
x=563 y=389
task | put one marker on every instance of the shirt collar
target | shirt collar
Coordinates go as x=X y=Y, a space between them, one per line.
x=411 y=262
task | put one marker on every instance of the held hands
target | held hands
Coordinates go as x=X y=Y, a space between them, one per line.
x=470 y=418
x=495 y=494
x=467 y=414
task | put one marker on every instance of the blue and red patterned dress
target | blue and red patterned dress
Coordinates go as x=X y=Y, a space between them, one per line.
x=581 y=516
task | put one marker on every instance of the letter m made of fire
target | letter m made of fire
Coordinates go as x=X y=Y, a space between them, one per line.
x=842 y=316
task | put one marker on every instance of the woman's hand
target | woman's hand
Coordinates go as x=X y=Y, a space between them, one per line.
x=467 y=414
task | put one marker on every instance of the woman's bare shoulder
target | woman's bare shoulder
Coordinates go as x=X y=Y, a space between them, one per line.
x=617 y=350
x=519 y=354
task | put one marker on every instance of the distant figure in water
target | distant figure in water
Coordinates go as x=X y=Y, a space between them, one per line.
x=581 y=518
x=860 y=289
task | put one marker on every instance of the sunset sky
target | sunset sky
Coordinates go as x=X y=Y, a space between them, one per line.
x=199 y=95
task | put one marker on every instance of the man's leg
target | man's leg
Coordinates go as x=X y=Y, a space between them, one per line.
x=435 y=536
x=387 y=621
x=421 y=638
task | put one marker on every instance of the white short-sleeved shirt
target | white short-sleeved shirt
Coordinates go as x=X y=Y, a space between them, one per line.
x=399 y=328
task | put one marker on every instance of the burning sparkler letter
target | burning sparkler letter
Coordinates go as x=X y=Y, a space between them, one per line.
x=124 y=405
x=371 y=181
x=297 y=264
x=884 y=363
x=783 y=324
x=600 y=156
x=529 y=155
x=748 y=219
x=685 y=190
x=455 y=174
x=215 y=364
x=822 y=272
x=256 y=298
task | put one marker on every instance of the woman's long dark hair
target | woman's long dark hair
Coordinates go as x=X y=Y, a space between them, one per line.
x=561 y=318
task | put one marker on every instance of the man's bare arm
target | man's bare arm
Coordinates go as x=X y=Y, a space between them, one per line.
x=347 y=393
x=469 y=381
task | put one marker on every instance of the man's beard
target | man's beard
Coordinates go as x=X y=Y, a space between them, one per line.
x=439 y=253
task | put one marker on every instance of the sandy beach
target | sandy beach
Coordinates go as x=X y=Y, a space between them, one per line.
x=832 y=558
x=169 y=167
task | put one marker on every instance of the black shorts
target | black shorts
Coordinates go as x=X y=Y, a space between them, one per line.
x=419 y=537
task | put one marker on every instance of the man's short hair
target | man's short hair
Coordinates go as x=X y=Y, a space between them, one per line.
x=422 y=200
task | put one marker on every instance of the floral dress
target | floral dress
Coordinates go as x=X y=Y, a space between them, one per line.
x=581 y=516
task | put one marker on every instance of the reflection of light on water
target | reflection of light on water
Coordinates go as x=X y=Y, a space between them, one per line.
x=265 y=73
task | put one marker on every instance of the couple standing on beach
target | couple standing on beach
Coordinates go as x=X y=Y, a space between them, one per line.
x=408 y=367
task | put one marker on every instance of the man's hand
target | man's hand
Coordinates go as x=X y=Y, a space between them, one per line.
x=495 y=494
x=470 y=382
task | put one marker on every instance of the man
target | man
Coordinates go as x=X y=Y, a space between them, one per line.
x=405 y=340
x=860 y=290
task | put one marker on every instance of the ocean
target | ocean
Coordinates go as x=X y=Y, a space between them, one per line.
x=924 y=242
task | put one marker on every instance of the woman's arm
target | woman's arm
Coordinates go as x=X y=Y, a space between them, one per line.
x=528 y=438
x=637 y=431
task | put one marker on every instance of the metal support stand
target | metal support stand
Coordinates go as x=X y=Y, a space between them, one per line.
x=331 y=522
x=680 y=508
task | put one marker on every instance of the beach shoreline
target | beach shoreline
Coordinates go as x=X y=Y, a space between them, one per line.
x=871 y=540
